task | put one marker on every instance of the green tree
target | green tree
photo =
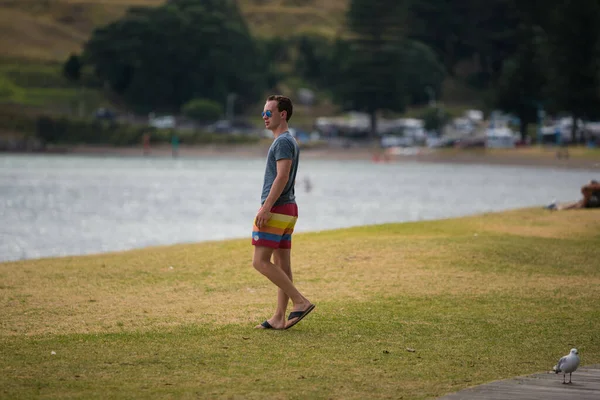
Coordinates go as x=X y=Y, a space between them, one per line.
x=435 y=118
x=444 y=26
x=481 y=33
x=372 y=74
x=377 y=68
x=422 y=72
x=522 y=81
x=313 y=58
x=491 y=36
x=203 y=110
x=574 y=58
x=72 y=68
x=160 y=58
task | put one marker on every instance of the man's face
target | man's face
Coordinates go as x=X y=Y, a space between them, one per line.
x=272 y=122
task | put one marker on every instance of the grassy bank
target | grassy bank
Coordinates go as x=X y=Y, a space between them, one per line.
x=410 y=311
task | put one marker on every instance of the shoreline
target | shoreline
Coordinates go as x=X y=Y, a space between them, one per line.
x=532 y=157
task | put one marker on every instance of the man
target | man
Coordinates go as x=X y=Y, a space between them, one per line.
x=275 y=220
x=591 y=198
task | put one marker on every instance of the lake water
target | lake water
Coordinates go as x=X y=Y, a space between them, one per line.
x=69 y=205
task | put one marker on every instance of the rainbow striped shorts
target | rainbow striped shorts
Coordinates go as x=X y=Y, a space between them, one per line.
x=278 y=232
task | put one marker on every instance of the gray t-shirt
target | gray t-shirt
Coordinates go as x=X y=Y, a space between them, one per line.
x=283 y=147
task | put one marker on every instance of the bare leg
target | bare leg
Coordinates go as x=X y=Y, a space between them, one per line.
x=569 y=206
x=282 y=258
x=277 y=275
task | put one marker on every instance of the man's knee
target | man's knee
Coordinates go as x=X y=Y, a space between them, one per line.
x=261 y=262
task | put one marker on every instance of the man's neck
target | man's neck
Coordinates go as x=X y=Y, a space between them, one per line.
x=282 y=129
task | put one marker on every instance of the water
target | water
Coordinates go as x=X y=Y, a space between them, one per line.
x=69 y=205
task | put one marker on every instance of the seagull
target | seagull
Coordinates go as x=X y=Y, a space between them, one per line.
x=567 y=364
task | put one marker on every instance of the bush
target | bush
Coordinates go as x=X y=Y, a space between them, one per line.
x=202 y=110
x=63 y=130
x=82 y=131
x=435 y=118
x=16 y=122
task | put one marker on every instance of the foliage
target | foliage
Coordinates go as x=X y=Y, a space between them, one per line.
x=72 y=68
x=422 y=72
x=160 y=58
x=378 y=68
x=434 y=118
x=520 y=88
x=313 y=59
x=62 y=130
x=370 y=77
x=461 y=30
x=442 y=25
x=12 y=121
x=574 y=58
x=203 y=110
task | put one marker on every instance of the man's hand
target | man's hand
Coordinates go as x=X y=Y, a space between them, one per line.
x=262 y=217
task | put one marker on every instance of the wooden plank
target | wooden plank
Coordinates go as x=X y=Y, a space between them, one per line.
x=543 y=386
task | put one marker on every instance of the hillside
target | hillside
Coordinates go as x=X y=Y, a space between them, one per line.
x=37 y=36
x=50 y=30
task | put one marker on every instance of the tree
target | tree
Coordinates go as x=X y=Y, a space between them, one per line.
x=491 y=35
x=72 y=68
x=203 y=110
x=377 y=68
x=574 y=58
x=443 y=25
x=522 y=81
x=422 y=71
x=372 y=75
x=160 y=58
x=313 y=58
x=479 y=32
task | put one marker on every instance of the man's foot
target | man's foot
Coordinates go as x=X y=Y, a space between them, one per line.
x=297 y=316
x=272 y=324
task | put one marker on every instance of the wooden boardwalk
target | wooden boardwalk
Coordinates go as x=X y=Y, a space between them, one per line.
x=544 y=386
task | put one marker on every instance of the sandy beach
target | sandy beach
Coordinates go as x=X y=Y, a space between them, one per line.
x=580 y=158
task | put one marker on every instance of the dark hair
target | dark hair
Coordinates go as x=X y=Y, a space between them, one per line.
x=283 y=104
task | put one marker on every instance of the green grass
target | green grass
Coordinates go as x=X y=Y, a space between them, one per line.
x=410 y=311
x=41 y=84
x=37 y=75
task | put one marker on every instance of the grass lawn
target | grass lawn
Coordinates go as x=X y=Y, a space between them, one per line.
x=412 y=311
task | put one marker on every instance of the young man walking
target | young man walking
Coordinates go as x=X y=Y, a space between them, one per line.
x=277 y=216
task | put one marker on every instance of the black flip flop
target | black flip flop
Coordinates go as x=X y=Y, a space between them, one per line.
x=299 y=315
x=266 y=325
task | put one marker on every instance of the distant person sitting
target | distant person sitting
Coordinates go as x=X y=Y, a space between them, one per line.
x=591 y=198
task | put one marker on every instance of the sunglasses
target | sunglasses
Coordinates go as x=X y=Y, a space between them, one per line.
x=268 y=113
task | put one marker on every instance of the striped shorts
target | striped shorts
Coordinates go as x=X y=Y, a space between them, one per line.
x=277 y=234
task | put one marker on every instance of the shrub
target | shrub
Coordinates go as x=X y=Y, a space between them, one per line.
x=202 y=110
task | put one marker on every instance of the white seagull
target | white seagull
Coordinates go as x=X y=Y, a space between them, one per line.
x=567 y=364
